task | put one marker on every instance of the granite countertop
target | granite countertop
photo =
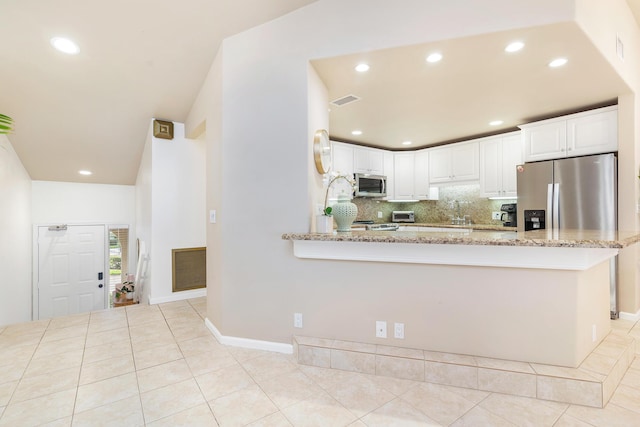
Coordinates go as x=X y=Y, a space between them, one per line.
x=505 y=237
x=467 y=226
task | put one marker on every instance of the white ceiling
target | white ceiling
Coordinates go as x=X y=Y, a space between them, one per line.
x=405 y=98
x=139 y=59
x=148 y=58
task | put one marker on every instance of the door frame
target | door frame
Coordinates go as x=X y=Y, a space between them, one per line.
x=35 y=269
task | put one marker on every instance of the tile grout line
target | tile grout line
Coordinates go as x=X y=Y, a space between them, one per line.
x=135 y=369
x=25 y=370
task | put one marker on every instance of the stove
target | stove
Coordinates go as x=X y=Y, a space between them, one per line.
x=382 y=227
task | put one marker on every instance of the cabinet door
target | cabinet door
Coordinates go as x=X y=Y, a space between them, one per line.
x=545 y=141
x=421 y=175
x=440 y=165
x=389 y=173
x=376 y=162
x=368 y=160
x=360 y=160
x=491 y=152
x=511 y=157
x=342 y=162
x=593 y=134
x=465 y=162
x=404 y=175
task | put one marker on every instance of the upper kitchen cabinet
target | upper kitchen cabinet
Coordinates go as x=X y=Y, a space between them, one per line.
x=589 y=132
x=342 y=162
x=593 y=133
x=454 y=163
x=411 y=177
x=499 y=156
x=368 y=160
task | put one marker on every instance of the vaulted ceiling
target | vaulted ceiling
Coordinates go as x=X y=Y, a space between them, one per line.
x=138 y=59
x=148 y=58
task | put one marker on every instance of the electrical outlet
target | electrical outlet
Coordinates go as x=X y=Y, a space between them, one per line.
x=398 y=330
x=496 y=215
x=381 y=329
x=212 y=216
x=297 y=320
x=379 y=214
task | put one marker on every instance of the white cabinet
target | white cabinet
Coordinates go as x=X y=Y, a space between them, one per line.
x=589 y=132
x=421 y=174
x=454 y=163
x=368 y=160
x=341 y=164
x=389 y=171
x=411 y=177
x=403 y=166
x=499 y=157
x=342 y=161
x=593 y=133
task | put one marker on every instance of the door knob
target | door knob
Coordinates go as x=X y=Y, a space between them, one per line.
x=100 y=285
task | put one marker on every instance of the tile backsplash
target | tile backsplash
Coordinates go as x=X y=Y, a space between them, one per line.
x=454 y=200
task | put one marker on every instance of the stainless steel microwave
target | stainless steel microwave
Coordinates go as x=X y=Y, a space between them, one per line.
x=370 y=185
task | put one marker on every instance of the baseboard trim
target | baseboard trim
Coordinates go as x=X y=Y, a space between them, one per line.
x=179 y=296
x=247 y=342
x=629 y=316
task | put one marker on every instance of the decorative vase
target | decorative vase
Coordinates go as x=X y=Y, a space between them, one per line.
x=129 y=295
x=344 y=212
x=324 y=224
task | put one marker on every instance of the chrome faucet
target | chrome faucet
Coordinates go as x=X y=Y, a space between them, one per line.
x=459 y=220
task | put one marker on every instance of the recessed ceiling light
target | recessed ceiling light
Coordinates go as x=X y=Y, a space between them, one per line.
x=356 y=132
x=406 y=143
x=362 y=68
x=434 y=57
x=65 y=45
x=85 y=172
x=496 y=123
x=514 y=47
x=559 y=62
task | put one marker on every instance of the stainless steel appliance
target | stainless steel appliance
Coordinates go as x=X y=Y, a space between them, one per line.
x=382 y=227
x=576 y=193
x=509 y=216
x=403 y=216
x=370 y=185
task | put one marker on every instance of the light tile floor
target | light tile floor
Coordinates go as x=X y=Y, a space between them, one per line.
x=160 y=366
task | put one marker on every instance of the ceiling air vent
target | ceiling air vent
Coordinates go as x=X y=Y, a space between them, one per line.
x=344 y=100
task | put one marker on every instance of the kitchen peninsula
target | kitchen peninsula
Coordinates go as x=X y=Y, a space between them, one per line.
x=555 y=284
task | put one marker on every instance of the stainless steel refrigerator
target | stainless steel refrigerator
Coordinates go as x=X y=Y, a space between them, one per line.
x=576 y=193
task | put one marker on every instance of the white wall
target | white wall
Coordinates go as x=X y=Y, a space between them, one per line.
x=264 y=138
x=143 y=217
x=72 y=202
x=178 y=205
x=15 y=241
x=171 y=207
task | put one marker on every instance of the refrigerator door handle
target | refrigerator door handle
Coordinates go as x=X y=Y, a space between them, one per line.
x=549 y=206
x=556 y=206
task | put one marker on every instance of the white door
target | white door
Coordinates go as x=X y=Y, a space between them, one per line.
x=71 y=270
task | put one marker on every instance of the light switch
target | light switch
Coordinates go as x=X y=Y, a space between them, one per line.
x=212 y=216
